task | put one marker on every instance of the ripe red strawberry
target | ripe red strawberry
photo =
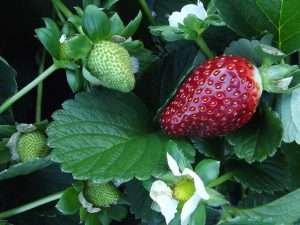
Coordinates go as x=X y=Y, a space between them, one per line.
x=218 y=97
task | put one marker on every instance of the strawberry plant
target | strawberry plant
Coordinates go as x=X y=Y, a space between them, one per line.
x=159 y=112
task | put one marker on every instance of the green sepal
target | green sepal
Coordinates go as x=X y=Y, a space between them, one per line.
x=167 y=33
x=208 y=170
x=117 y=25
x=199 y=216
x=49 y=37
x=193 y=27
x=278 y=78
x=107 y=4
x=145 y=57
x=133 y=26
x=69 y=203
x=95 y=23
x=75 y=79
x=269 y=54
x=75 y=48
x=216 y=199
x=177 y=154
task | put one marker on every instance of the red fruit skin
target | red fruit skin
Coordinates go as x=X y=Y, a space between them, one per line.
x=218 y=97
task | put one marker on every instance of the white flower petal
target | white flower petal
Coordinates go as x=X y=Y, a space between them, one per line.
x=162 y=195
x=188 y=208
x=173 y=165
x=175 y=19
x=199 y=185
x=62 y=38
x=196 y=10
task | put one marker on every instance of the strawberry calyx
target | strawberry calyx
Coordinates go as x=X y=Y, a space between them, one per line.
x=278 y=78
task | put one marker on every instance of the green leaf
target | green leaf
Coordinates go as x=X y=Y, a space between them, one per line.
x=117 y=212
x=199 y=216
x=24 y=168
x=288 y=110
x=256 y=143
x=255 y=199
x=96 y=24
x=269 y=176
x=292 y=154
x=104 y=135
x=7 y=130
x=285 y=210
x=247 y=221
x=4 y=153
x=254 y=17
x=133 y=26
x=245 y=48
x=69 y=203
x=208 y=170
x=211 y=148
x=8 y=87
x=49 y=37
x=246 y=19
x=140 y=203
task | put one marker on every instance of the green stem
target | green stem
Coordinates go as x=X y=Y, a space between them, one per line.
x=10 y=101
x=39 y=95
x=147 y=11
x=61 y=6
x=220 y=180
x=204 y=48
x=29 y=206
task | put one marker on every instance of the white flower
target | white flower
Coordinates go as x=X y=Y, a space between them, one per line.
x=198 y=10
x=162 y=194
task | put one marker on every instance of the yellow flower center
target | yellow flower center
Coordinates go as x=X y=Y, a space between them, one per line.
x=184 y=190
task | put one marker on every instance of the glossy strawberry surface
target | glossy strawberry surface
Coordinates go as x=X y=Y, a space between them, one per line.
x=218 y=97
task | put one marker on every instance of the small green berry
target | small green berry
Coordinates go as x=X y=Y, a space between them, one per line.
x=111 y=64
x=101 y=195
x=184 y=190
x=32 y=145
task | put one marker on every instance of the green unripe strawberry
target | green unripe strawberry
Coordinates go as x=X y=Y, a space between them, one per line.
x=111 y=64
x=32 y=145
x=101 y=195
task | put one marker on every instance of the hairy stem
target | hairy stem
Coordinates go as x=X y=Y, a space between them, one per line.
x=29 y=206
x=220 y=180
x=61 y=6
x=204 y=48
x=147 y=11
x=39 y=95
x=10 y=101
